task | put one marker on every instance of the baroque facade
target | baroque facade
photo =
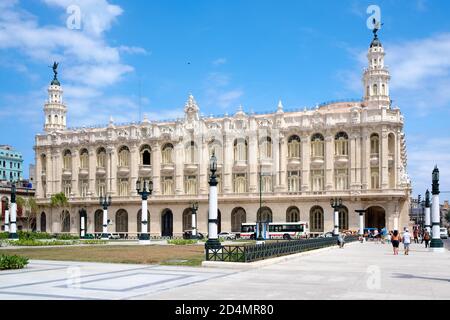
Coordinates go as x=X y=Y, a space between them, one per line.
x=297 y=159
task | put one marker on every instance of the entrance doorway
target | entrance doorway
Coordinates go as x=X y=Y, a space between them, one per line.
x=167 y=223
x=375 y=218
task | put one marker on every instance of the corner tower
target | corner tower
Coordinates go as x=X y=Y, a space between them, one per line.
x=376 y=76
x=54 y=109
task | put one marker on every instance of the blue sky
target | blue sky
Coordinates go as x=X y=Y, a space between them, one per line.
x=226 y=53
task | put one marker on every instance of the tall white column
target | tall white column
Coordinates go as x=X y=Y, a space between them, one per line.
x=7 y=220
x=144 y=238
x=212 y=221
x=427 y=212
x=361 y=223
x=105 y=224
x=194 y=223
x=83 y=226
x=436 y=244
x=13 y=224
x=336 y=222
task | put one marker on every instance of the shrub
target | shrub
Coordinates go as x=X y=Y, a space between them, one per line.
x=64 y=236
x=94 y=242
x=12 y=262
x=27 y=235
x=182 y=242
x=37 y=243
x=4 y=235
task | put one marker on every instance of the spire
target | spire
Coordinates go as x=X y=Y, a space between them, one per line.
x=54 y=109
x=191 y=109
x=280 y=107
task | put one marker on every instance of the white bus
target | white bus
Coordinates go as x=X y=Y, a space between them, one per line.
x=277 y=230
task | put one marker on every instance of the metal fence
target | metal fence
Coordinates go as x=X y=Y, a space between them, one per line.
x=250 y=253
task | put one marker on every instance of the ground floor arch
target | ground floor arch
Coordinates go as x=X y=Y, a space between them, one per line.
x=375 y=217
x=292 y=214
x=167 y=223
x=43 y=222
x=265 y=215
x=316 y=219
x=98 y=221
x=238 y=217
x=122 y=221
x=187 y=219
x=343 y=219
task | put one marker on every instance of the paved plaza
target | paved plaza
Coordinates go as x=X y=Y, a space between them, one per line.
x=359 y=271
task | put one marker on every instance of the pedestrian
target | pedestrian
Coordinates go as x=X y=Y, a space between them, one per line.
x=375 y=235
x=341 y=240
x=388 y=237
x=416 y=235
x=406 y=241
x=395 y=242
x=426 y=238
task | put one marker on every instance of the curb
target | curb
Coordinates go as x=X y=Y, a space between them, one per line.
x=264 y=263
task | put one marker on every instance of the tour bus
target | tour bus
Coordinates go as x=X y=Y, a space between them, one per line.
x=277 y=231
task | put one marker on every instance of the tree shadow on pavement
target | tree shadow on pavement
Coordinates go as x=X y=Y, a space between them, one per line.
x=410 y=276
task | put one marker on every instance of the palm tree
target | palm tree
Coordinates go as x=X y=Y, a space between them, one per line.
x=61 y=203
x=32 y=212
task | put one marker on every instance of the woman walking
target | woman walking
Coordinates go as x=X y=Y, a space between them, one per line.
x=395 y=239
x=426 y=238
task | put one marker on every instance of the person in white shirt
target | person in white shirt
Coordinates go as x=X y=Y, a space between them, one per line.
x=406 y=240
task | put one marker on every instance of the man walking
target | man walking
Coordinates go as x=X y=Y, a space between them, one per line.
x=406 y=241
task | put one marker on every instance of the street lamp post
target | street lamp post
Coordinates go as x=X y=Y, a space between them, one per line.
x=194 y=220
x=13 y=224
x=427 y=212
x=361 y=221
x=144 y=237
x=105 y=202
x=436 y=244
x=336 y=204
x=7 y=215
x=213 y=240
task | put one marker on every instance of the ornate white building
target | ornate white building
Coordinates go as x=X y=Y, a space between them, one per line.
x=299 y=160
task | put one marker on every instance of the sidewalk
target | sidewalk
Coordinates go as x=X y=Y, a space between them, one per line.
x=360 y=271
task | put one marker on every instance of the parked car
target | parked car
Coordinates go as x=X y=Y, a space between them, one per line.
x=227 y=236
x=444 y=233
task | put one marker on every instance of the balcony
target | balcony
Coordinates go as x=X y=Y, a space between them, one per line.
x=190 y=167
x=83 y=173
x=295 y=161
x=266 y=162
x=341 y=159
x=145 y=170
x=374 y=159
x=317 y=161
x=167 y=167
x=101 y=171
x=123 y=171
x=240 y=164
x=67 y=173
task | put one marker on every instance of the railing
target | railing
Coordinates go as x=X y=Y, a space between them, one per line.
x=251 y=253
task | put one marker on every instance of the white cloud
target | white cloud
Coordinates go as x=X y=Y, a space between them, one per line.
x=218 y=92
x=219 y=61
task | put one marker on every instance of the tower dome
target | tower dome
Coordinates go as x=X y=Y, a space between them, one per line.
x=54 y=109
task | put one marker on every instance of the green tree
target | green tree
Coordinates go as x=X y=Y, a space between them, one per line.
x=60 y=202
x=447 y=216
x=32 y=209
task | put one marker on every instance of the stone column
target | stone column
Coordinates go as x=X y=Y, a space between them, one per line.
x=179 y=168
x=75 y=173
x=353 y=152
x=361 y=223
x=203 y=162
x=306 y=162
x=92 y=170
x=134 y=168
x=156 y=168
x=7 y=219
x=329 y=162
x=384 y=161
x=283 y=164
x=228 y=165
x=38 y=175
x=365 y=168
x=253 y=152
x=112 y=170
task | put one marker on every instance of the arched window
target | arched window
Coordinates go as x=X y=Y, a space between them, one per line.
x=65 y=221
x=84 y=159
x=294 y=144
x=124 y=157
x=187 y=220
x=238 y=217
x=375 y=178
x=191 y=153
x=240 y=183
x=343 y=219
x=167 y=185
x=374 y=144
x=265 y=151
x=317 y=177
x=341 y=179
x=383 y=89
x=341 y=144
x=44 y=163
x=316 y=219
x=293 y=214
x=43 y=222
x=294 y=181
x=317 y=146
x=122 y=221
x=240 y=150
x=67 y=160
x=56 y=119
x=146 y=155
x=375 y=89
x=167 y=151
x=101 y=158
x=139 y=221
x=49 y=119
